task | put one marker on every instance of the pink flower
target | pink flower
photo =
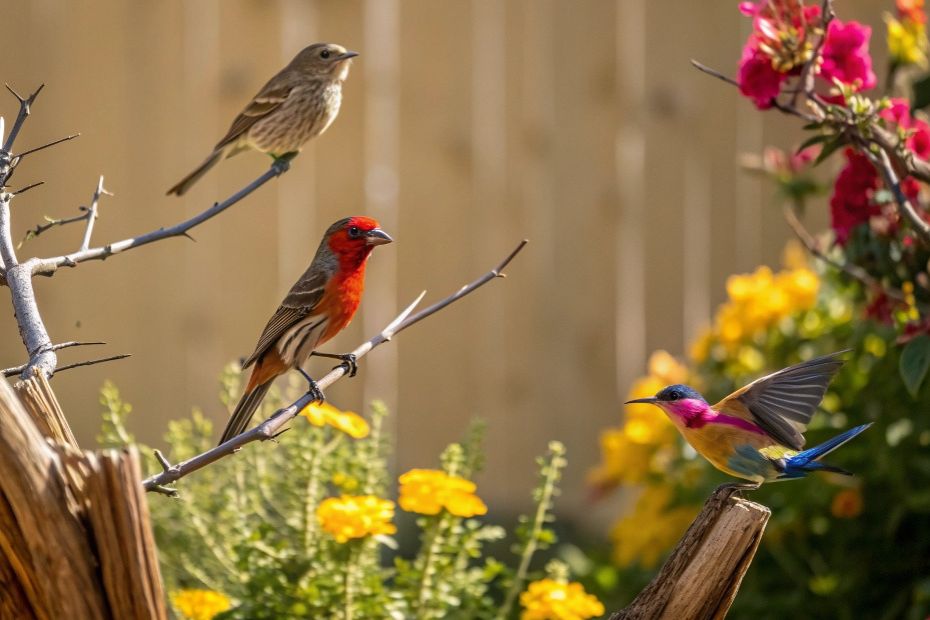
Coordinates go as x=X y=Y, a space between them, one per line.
x=851 y=203
x=757 y=79
x=918 y=139
x=846 y=55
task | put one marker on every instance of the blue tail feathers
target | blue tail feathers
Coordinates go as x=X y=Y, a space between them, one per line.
x=806 y=461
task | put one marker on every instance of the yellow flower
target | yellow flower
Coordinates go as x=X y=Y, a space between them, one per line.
x=701 y=347
x=199 y=604
x=427 y=491
x=907 y=41
x=356 y=516
x=758 y=301
x=548 y=599
x=350 y=423
x=622 y=461
x=847 y=504
x=645 y=535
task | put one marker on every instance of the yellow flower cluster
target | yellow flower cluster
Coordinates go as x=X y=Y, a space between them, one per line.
x=645 y=535
x=629 y=452
x=350 y=423
x=756 y=302
x=548 y=599
x=356 y=516
x=427 y=491
x=199 y=604
x=907 y=41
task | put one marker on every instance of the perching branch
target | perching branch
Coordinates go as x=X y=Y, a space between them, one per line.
x=18 y=276
x=273 y=426
x=48 y=266
x=704 y=571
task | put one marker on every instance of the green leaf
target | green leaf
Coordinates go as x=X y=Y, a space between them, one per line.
x=921 y=98
x=829 y=148
x=813 y=140
x=915 y=361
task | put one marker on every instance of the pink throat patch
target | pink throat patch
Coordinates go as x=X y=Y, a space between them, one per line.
x=695 y=413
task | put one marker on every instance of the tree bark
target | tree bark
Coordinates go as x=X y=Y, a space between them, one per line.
x=701 y=577
x=75 y=538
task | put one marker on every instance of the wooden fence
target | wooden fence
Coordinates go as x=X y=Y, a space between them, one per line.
x=465 y=126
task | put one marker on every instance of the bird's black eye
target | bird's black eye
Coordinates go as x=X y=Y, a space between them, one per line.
x=354 y=231
x=674 y=395
x=324 y=54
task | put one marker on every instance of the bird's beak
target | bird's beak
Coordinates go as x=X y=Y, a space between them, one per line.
x=651 y=400
x=346 y=55
x=376 y=236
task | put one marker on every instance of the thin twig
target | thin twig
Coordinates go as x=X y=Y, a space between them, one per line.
x=25 y=108
x=46 y=145
x=9 y=372
x=48 y=266
x=854 y=271
x=882 y=163
x=23 y=190
x=714 y=73
x=808 y=72
x=92 y=214
x=273 y=425
x=50 y=223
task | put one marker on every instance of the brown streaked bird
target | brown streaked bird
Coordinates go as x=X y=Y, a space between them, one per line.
x=319 y=305
x=297 y=104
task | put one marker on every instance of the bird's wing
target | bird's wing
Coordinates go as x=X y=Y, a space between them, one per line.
x=301 y=301
x=783 y=402
x=264 y=103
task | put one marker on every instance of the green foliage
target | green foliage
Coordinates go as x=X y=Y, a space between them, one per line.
x=915 y=360
x=835 y=546
x=247 y=525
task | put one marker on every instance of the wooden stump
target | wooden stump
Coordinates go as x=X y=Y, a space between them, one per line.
x=75 y=538
x=701 y=577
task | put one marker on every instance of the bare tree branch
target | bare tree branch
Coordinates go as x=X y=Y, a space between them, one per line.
x=88 y=214
x=92 y=214
x=23 y=190
x=882 y=163
x=36 y=149
x=48 y=266
x=25 y=108
x=50 y=223
x=273 y=425
x=10 y=372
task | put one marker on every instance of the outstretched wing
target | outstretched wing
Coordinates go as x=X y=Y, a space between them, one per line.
x=264 y=103
x=302 y=299
x=783 y=402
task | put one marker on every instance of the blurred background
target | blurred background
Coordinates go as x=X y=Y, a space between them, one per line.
x=465 y=127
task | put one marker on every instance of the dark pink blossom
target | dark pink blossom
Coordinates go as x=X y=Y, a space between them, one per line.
x=851 y=203
x=757 y=79
x=846 y=55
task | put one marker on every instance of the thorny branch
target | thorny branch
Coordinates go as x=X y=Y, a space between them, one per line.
x=273 y=426
x=18 y=275
x=876 y=143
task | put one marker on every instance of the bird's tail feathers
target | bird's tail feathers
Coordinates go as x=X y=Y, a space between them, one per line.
x=185 y=184
x=808 y=460
x=244 y=411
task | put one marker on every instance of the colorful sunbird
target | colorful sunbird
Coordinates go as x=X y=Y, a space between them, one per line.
x=755 y=432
